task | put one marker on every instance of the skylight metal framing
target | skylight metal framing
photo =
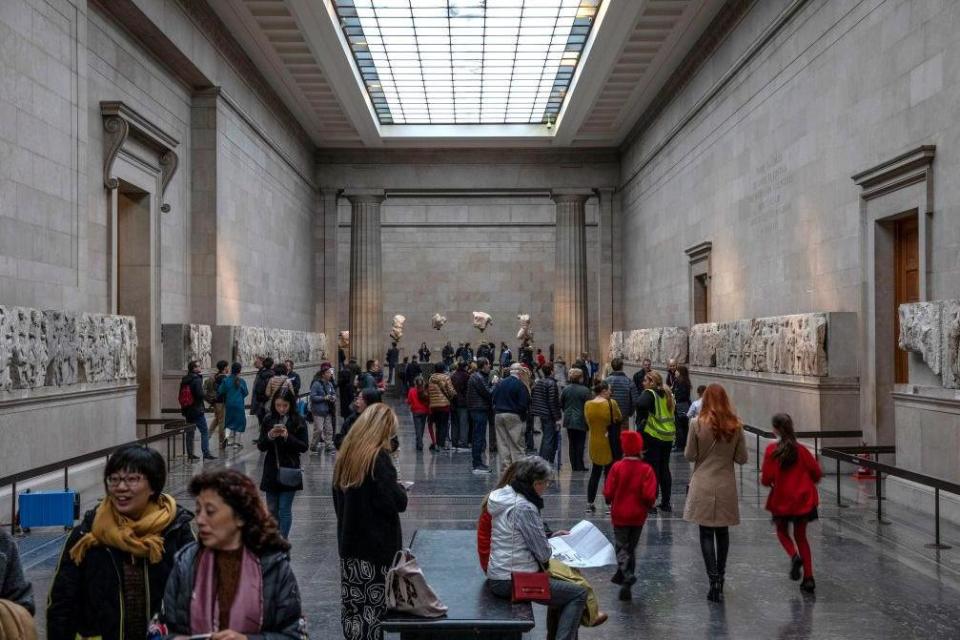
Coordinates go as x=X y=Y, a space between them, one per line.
x=467 y=61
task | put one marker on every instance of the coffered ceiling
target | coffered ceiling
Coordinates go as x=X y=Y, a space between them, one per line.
x=632 y=49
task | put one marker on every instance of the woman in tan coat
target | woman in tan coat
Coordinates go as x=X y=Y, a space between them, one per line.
x=714 y=443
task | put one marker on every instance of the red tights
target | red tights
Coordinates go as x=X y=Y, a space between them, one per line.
x=802 y=546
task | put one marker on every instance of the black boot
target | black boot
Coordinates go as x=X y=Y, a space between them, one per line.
x=714 y=594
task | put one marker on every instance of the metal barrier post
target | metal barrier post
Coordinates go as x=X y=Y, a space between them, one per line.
x=13 y=508
x=839 y=504
x=168 y=452
x=758 y=451
x=936 y=522
x=879 y=492
x=66 y=478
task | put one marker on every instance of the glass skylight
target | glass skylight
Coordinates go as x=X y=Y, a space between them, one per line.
x=467 y=61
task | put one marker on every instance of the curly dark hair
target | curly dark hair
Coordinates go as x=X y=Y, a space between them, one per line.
x=260 y=532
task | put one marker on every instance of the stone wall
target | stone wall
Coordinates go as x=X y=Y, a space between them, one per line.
x=932 y=330
x=453 y=256
x=61 y=348
x=762 y=167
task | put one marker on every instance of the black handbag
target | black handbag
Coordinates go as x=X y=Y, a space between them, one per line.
x=289 y=477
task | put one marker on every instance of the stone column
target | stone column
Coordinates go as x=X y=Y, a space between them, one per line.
x=606 y=259
x=570 y=292
x=325 y=268
x=366 y=296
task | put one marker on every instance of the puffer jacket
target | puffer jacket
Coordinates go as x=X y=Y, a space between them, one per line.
x=479 y=393
x=624 y=392
x=518 y=541
x=441 y=391
x=545 y=400
x=13 y=586
x=86 y=600
x=282 y=613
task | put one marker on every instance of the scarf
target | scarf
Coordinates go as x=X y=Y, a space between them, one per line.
x=141 y=538
x=246 y=612
x=528 y=492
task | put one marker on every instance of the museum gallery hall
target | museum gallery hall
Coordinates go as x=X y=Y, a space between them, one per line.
x=624 y=318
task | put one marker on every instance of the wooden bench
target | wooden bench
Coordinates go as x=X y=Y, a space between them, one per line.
x=449 y=562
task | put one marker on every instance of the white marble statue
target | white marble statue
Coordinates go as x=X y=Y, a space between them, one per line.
x=524 y=334
x=481 y=320
x=396 y=332
x=438 y=321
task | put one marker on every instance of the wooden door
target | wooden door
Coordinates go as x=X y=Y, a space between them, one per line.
x=907 y=282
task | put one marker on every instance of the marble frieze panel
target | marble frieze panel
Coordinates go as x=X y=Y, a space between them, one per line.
x=58 y=348
x=932 y=330
x=247 y=343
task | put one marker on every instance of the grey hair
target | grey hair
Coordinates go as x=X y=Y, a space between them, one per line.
x=532 y=469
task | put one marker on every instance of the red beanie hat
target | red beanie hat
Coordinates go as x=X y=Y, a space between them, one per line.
x=632 y=443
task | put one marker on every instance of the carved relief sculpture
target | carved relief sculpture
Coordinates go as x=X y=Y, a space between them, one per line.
x=481 y=320
x=615 y=350
x=920 y=331
x=199 y=345
x=438 y=321
x=279 y=344
x=704 y=342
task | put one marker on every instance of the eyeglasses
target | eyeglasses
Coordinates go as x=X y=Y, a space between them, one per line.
x=132 y=481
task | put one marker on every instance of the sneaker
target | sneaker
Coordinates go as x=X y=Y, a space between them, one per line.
x=796 y=564
x=482 y=470
x=591 y=508
x=193 y=458
x=808 y=585
x=462 y=450
x=209 y=456
x=666 y=508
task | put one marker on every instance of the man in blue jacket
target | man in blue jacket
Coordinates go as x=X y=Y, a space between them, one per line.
x=511 y=400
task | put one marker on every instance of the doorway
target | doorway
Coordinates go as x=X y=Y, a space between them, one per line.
x=134 y=282
x=701 y=294
x=906 y=249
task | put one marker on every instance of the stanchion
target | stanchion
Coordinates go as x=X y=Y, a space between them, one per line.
x=936 y=523
x=865 y=473
x=879 y=492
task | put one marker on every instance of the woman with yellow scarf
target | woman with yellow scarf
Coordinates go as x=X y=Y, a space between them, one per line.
x=113 y=567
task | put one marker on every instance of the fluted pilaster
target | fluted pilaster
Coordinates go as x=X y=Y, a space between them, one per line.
x=570 y=292
x=366 y=295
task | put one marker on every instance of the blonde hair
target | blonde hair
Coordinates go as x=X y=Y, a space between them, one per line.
x=370 y=435
x=575 y=375
x=657 y=381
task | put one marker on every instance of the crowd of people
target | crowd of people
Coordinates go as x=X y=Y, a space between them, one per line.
x=142 y=565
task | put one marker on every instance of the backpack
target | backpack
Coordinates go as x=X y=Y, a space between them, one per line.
x=210 y=390
x=185 y=397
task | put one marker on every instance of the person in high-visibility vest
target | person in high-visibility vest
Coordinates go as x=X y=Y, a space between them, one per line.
x=659 y=430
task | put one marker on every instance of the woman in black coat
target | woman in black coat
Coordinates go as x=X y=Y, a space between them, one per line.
x=283 y=436
x=368 y=501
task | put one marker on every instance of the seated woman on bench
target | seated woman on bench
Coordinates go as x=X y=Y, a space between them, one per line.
x=518 y=542
x=592 y=616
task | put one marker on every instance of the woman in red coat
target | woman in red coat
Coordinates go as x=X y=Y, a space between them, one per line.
x=792 y=473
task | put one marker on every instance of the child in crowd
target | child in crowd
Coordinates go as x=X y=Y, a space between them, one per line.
x=694 y=410
x=792 y=473
x=419 y=400
x=630 y=490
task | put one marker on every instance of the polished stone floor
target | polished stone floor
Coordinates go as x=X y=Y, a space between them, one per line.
x=873 y=580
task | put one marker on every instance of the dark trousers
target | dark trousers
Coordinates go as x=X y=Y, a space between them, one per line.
x=714 y=545
x=419 y=424
x=578 y=443
x=625 y=540
x=441 y=420
x=596 y=472
x=550 y=440
x=460 y=427
x=491 y=432
x=657 y=455
x=345 y=400
x=683 y=426
x=478 y=421
x=528 y=440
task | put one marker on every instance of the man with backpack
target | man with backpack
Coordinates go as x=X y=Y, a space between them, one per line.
x=210 y=387
x=190 y=399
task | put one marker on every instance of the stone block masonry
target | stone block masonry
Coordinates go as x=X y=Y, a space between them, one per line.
x=61 y=348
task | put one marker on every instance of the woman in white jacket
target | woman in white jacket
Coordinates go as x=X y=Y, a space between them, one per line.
x=519 y=543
